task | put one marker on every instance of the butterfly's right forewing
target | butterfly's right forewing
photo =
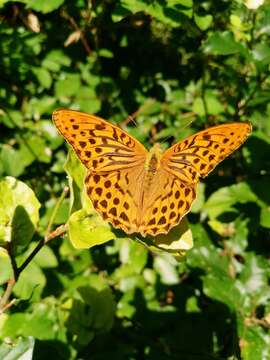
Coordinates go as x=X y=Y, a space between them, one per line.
x=100 y=145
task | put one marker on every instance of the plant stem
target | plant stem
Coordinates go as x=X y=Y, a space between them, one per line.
x=7 y=293
x=55 y=210
x=57 y=232
x=203 y=94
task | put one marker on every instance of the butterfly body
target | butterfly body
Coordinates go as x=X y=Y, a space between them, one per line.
x=151 y=166
x=140 y=191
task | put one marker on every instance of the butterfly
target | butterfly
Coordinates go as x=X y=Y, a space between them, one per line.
x=140 y=191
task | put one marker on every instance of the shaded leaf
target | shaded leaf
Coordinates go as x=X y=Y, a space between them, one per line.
x=19 y=213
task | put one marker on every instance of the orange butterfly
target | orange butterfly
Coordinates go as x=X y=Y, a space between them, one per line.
x=141 y=191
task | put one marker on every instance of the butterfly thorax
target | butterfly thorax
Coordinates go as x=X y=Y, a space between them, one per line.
x=152 y=163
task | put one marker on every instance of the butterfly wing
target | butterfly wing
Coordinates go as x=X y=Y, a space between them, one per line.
x=100 y=145
x=200 y=153
x=165 y=204
x=115 y=163
x=181 y=167
x=116 y=196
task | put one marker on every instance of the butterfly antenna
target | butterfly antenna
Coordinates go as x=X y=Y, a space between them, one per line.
x=129 y=119
x=187 y=124
x=141 y=109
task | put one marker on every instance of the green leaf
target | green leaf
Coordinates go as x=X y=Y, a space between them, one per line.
x=265 y=217
x=45 y=258
x=261 y=53
x=255 y=343
x=165 y=266
x=68 y=85
x=91 y=312
x=39 y=106
x=87 y=99
x=41 y=323
x=173 y=14
x=55 y=59
x=238 y=241
x=76 y=174
x=255 y=277
x=102 y=304
x=12 y=161
x=223 y=229
x=134 y=255
x=44 y=77
x=105 y=53
x=177 y=242
x=212 y=105
x=19 y=213
x=87 y=229
x=224 y=289
x=5 y=266
x=50 y=133
x=31 y=283
x=198 y=203
x=44 y=6
x=203 y=22
x=223 y=43
x=224 y=198
x=75 y=170
x=35 y=148
x=3 y=2
x=79 y=322
x=207 y=257
x=11 y=118
x=20 y=349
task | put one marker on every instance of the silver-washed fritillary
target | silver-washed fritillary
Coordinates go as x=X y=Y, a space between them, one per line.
x=141 y=191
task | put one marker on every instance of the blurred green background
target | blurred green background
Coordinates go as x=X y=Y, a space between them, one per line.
x=177 y=67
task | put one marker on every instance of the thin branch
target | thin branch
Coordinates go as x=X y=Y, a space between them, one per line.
x=12 y=260
x=254 y=321
x=7 y=293
x=7 y=306
x=244 y=102
x=79 y=30
x=253 y=21
x=57 y=232
x=203 y=96
x=55 y=210
x=48 y=234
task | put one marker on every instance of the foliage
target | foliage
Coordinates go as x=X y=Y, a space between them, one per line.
x=168 y=63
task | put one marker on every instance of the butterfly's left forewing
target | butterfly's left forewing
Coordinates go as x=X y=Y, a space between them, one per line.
x=199 y=154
